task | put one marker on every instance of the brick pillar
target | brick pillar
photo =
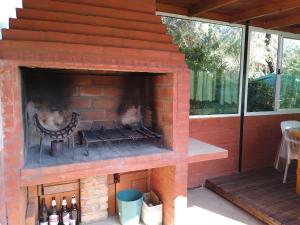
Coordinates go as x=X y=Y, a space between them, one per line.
x=2 y=192
x=93 y=199
x=12 y=153
x=180 y=193
x=170 y=183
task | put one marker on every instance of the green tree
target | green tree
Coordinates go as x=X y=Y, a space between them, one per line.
x=210 y=50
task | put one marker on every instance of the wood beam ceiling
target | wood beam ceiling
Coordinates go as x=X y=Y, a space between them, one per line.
x=283 y=22
x=295 y=30
x=167 y=8
x=266 y=8
x=255 y=14
x=162 y=7
x=205 y=6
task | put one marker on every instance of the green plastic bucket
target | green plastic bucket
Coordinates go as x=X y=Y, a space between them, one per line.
x=129 y=206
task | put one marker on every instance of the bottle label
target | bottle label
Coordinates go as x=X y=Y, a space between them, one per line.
x=53 y=219
x=43 y=223
x=66 y=219
x=72 y=222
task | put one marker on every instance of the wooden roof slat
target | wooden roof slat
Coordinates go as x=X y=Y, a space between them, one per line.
x=209 y=5
x=291 y=29
x=264 y=9
x=283 y=22
x=280 y=15
x=216 y=16
x=162 y=7
x=257 y=23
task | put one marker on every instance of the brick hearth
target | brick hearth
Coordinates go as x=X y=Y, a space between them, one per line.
x=107 y=36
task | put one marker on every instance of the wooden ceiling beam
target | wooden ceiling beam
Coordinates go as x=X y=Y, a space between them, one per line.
x=257 y=23
x=205 y=6
x=267 y=7
x=161 y=7
x=283 y=22
x=295 y=30
x=167 y=8
x=216 y=16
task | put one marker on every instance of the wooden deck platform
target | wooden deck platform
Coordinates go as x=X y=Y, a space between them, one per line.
x=262 y=194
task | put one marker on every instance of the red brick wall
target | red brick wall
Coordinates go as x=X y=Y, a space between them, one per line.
x=170 y=184
x=2 y=192
x=262 y=136
x=13 y=142
x=162 y=182
x=99 y=97
x=2 y=186
x=223 y=132
x=261 y=140
x=94 y=97
x=162 y=97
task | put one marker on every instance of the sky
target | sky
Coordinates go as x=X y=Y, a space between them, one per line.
x=8 y=10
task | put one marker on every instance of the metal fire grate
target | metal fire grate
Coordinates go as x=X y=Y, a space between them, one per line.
x=60 y=134
x=101 y=132
x=65 y=133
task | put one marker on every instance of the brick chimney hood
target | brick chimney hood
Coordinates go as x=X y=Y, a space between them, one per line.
x=117 y=34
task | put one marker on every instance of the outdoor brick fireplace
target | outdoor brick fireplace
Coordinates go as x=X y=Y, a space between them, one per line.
x=100 y=98
x=98 y=60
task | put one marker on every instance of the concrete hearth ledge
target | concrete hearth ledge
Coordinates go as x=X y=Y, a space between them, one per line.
x=73 y=171
x=200 y=151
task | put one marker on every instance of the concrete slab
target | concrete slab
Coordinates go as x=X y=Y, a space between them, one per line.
x=200 y=151
x=207 y=208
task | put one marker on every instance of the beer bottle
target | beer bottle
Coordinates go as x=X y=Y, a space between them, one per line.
x=53 y=217
x=74 y=213
x=64 y=214
x=43 y=220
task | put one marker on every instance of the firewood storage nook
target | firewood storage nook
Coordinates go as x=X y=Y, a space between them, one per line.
x=114 y=65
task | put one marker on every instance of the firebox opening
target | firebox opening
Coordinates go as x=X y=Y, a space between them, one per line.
x=81 y=115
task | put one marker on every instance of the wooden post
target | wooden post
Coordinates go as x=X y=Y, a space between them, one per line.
x=296 y=134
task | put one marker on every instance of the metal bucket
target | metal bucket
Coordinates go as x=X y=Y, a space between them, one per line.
x=129 y=206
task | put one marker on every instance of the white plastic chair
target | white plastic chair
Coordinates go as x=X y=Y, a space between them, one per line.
x=288 y=146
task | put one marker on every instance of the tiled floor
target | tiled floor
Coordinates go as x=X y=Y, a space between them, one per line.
x=207 y=208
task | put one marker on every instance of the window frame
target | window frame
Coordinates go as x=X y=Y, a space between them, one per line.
x=277 y=110
x=241 y=60
x=281 y=36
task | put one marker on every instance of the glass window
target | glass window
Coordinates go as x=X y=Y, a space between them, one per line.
x=290 y=77
x=213 y=53
x=262 y=71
